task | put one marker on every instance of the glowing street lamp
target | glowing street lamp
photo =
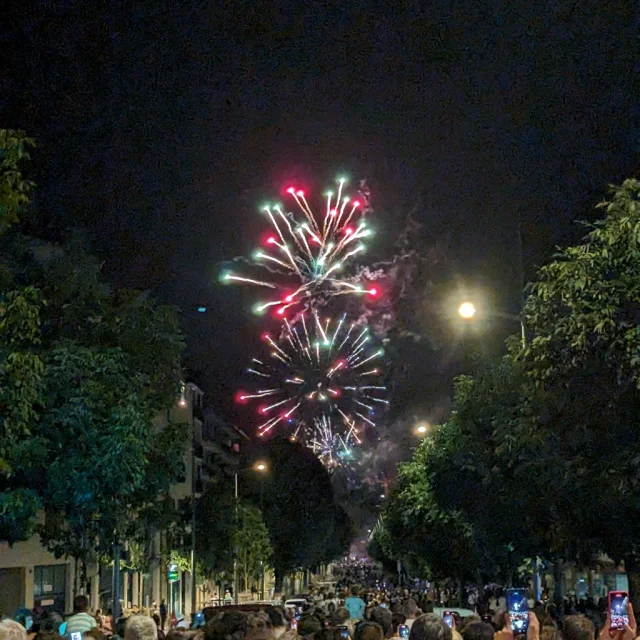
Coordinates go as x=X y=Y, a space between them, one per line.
x=467 y=310
x=422 y=429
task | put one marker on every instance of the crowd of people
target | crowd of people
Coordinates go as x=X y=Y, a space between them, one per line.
x=365 y=615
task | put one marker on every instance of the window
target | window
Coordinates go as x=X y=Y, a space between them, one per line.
x=49 y=579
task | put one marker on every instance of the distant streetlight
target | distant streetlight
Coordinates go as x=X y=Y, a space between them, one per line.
x=467 y=310
x=422 y=429
x=258 y=466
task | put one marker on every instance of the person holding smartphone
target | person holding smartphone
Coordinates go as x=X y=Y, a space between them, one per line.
x=629 y=630
x=533 y=629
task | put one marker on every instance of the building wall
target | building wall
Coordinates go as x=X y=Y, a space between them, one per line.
x=26 y=556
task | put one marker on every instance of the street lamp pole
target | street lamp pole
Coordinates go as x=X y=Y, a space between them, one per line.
x=194 y=604
x=235 y=551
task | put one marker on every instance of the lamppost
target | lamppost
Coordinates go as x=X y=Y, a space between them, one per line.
x=467 y=311
x=421 y=429
x=261 y=467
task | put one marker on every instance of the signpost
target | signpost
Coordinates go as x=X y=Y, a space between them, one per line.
x=173 y=576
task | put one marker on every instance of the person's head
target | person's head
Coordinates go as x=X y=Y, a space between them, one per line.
x=430 y=626
x=121 y=623
x=411 y=609
x=277 y=619
x=396 y=620
x=549 y=629
x=11 y=630
x=355 y=590
x=368 y=631
x=340 y=617
x=469 y=620
x=80 y=604
x=330 y=633
x=232 y=625
x=384 y=618
x=477 y=631
x=258 y=626
x=140 y=627
x=309 y=626
x=578 y=628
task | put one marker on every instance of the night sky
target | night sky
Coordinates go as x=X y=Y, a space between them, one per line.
x=162 y=125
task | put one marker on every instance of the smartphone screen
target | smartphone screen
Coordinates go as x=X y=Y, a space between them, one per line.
x=344 y=632
x=448 y=618
x=518 y=609
x=619 y=609
x=487 y=618
x=403 y=631
x=76 y=635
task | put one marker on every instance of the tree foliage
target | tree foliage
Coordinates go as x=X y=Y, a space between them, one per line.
x=305 y=524
x=85 y=370
x=251 y=543
x=539 y=456
x=14 y=188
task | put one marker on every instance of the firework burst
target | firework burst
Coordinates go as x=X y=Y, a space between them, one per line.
x=332 y=447
x=319 y=368
x=307 y=256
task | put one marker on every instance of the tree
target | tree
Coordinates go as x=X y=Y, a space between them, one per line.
x=21 y=367
x=215 y=513
x=251 y=543
x=21 y=378
x=547 y=436
x=306 y=526
x=14 y=188
x=110 y=363
x=584 y=353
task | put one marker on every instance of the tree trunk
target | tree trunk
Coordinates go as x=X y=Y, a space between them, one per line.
x=279 y=576
x=558 y=586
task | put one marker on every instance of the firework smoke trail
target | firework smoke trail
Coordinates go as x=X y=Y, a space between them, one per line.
x=319 y=368
x=311 y=252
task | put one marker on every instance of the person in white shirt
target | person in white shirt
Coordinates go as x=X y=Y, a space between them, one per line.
x=80 y=621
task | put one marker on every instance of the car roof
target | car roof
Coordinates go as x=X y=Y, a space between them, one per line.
x=463 y=613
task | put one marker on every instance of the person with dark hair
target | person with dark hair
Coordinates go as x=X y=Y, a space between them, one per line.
x=229 y=625
x=411 y=611
x=396 y=620
x=340 y=617
x=310 y=627
x=578 y=627
x=156 y=618
x=366 y=630
x=163 y=613
x=277 y=620
x=430 y=627
x=477 y=631
x=384 y=618
x=80 y=621
x=331 y=633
